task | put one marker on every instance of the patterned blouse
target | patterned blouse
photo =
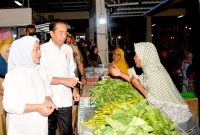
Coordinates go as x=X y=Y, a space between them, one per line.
x=95 y=63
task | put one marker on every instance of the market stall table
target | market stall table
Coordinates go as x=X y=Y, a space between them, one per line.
x=194 y=107
x=85 y=109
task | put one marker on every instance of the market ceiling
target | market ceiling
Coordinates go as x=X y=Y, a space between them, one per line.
x=116 y=8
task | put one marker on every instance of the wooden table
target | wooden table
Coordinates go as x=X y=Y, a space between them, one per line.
x=194 y=107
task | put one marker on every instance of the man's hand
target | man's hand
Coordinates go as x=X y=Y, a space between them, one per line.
x=83 y=80
x=76 y=94
x=70 y=82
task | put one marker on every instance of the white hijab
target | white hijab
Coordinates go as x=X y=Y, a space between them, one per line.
x=20 y=53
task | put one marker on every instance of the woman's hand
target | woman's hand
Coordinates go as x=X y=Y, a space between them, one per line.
x=114 y=70
x=46 y=108
x=50 y=102
x=137 y=84
x=1 y=92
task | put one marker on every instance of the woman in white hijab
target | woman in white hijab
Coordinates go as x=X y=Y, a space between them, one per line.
x=158 y=87
x=27 y=96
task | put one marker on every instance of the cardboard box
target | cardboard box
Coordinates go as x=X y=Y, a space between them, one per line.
x=85 y=112
x=194 y=107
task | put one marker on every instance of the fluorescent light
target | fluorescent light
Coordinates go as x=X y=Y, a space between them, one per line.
x=18 y=3
x=42 y=25
x=45 y=28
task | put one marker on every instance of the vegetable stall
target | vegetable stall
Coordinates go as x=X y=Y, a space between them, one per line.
x=115 y=107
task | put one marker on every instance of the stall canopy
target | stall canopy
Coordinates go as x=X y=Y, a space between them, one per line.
x=116 y=8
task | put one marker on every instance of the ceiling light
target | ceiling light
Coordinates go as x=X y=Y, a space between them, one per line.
x=119 y=37
x=153 y=25
x=102 y=20
x=18 y=3
x=180 y=16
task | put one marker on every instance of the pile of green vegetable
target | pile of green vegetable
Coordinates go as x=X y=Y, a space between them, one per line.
x=110 y=90
x=130 y=115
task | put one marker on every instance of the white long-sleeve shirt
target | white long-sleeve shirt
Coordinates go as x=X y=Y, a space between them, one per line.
x=59 y=62
x=25 y=86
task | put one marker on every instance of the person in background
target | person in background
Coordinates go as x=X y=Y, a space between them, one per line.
x=88 y=46
x=3 y=59
x=119 y=60
x=6 y=39
x=6 y=36
x=158 y=87
x=27 y=95
x=5 y=43
x=71 y=41
x=83 y=49
x=110 y=53
x=93 y=58
x=177 y=73
x=57 y=59
x=30 y=29
x=185 y=64
x=80 y=72
x=191 y=75
x=167 y=61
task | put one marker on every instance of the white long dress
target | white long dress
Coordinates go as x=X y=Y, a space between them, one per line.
x=25 y=86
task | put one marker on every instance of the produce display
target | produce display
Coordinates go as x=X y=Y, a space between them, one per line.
x=110 y=90
x=122 y=110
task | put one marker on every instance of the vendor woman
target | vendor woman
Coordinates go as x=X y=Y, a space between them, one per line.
x=158 y=87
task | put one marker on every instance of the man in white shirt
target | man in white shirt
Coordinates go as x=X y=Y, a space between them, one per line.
x=57 y=59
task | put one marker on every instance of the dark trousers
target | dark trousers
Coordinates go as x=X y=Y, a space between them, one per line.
x=63 y=118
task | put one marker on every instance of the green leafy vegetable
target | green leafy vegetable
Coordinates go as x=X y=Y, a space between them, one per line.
x=122 y=110
x=113 y=90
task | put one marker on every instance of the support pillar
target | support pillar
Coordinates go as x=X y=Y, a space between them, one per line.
x=101 y=31
x=148 y=29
